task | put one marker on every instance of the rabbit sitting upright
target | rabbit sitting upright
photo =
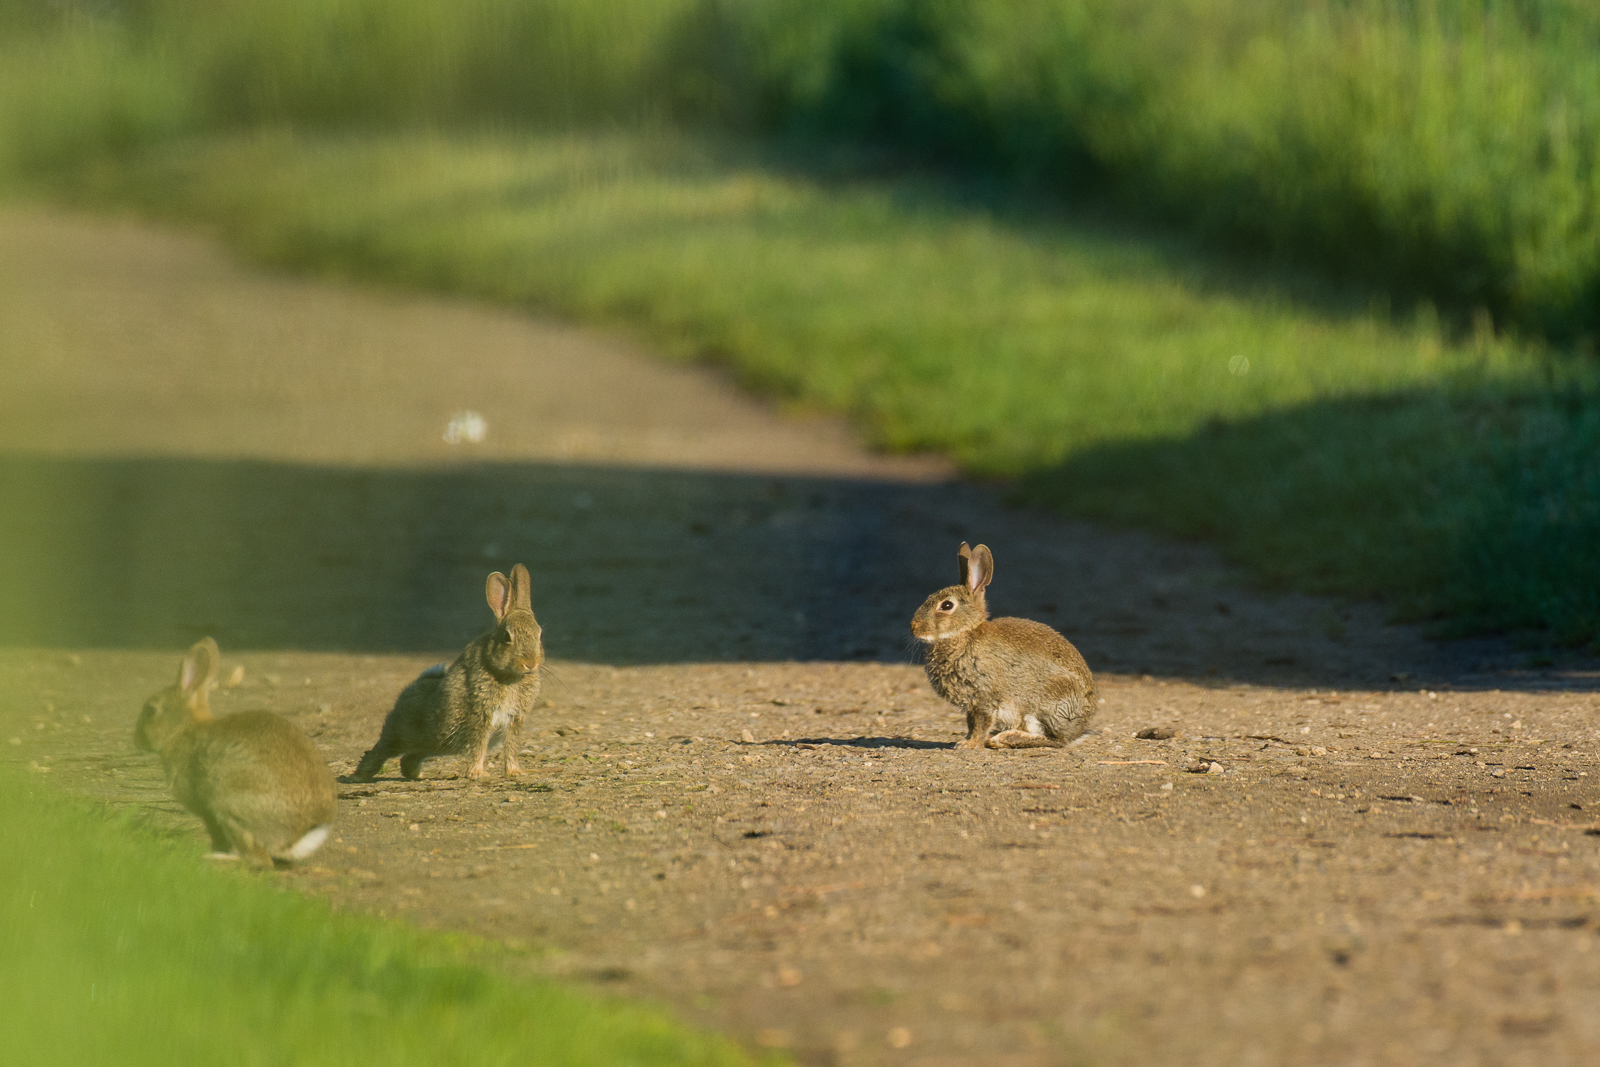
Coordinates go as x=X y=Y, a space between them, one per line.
x=1021 y=684
x=477 y=702
x=257 y=780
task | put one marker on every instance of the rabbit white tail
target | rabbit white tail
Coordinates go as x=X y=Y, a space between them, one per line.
x=308 y=844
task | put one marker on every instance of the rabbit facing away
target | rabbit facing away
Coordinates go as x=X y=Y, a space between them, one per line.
x=476 y=703
x=1020 y=683
x=255 y=780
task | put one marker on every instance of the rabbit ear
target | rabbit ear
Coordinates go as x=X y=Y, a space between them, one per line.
x=521 y=596
x=964 y=558
x=980 y=569
x=498 y=592
x=198 y=671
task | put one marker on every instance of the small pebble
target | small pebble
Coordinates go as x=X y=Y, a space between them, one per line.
x=748 y=737
x=1498 y=772
x=1215 y=768
x=1156 y=733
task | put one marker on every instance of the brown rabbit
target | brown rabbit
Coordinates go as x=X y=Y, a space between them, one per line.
x=259 y=784
x=1016 y=677
x=478 y=701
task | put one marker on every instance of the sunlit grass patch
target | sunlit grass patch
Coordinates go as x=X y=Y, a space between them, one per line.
x=120 y=946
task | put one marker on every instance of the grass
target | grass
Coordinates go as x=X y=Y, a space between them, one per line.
x=1120 y=376
x=120 y=946
x=1444 y=147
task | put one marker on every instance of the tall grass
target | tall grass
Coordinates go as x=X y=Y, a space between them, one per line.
x=120 y=948
x=1449 y=148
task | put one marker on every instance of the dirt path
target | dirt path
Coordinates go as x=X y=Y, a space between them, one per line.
x=744 y=799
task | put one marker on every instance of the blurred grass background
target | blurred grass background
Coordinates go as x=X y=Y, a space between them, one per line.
x=119 y=949
x=1316 y=281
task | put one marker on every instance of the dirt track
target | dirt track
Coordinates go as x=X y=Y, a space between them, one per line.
x=743 y=799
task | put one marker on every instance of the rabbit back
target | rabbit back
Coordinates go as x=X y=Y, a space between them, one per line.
x=258 y=783
x=1031 y=671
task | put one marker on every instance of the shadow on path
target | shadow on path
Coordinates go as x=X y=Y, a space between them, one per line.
x=630 y=566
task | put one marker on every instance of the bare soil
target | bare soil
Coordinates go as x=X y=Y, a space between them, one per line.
x=1357 y=846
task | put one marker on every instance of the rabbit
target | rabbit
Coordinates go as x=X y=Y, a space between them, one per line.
x=475 y=703
x=255 y=779
x=1016 y=677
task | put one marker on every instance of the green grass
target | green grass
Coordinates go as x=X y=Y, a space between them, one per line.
x=1121 y=376
x=121 y=946
x=1444 y=147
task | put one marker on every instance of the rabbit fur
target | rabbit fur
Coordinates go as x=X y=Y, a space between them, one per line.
x=257 y=781
x=1020 y=683
x=476 y=703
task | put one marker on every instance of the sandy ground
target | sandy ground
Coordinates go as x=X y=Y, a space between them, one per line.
x=1359 y=847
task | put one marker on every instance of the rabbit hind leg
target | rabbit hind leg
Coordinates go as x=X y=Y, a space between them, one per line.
x=1023 y=739
x=248 y=847
x=221 y=847
x=411 y=764
x=373 y=762
x=1030 y=734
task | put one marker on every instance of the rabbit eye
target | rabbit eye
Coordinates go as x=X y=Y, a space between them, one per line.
x=948 y=605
